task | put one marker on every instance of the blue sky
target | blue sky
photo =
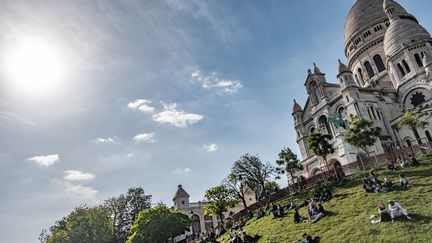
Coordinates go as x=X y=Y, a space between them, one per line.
x=151 y=93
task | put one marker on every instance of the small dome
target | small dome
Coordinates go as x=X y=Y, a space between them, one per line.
x=363 y=15
x=342 y=68
x=297 y=107
x=402 y=32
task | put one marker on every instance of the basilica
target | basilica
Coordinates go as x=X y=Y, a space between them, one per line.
x=388 y=71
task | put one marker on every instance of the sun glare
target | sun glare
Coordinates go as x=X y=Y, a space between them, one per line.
x=34 y=66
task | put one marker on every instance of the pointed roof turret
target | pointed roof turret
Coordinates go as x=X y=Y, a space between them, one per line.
x=342 y=68
x=316 y=69
x=296 y=107
x=181 y=193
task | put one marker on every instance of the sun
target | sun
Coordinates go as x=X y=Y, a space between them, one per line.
x=34 y=66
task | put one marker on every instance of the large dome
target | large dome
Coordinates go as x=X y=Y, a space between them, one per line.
x=362 y=15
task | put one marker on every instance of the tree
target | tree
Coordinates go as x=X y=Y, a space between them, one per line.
x=158 y=225
x=288 y=163
x=84 y=224
x=413 y=119
x=320 y=146
x=124 y=210
x=271 y=186
x=237 y=185
x=254 y=172
x=219 y=199
x=361 y=134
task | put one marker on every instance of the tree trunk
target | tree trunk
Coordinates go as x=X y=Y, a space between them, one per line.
x=327 y=172
x=221 y=218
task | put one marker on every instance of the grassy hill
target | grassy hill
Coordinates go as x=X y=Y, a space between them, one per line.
x=348 y=214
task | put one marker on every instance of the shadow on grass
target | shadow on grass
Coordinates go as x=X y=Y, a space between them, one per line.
x=418 y=218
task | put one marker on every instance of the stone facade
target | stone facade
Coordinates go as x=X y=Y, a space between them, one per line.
x=389 y=71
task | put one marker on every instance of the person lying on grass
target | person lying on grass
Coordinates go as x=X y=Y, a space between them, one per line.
x=397 y=210
x=403 y=182
x=314 y=213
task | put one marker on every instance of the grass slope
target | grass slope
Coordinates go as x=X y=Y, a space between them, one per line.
x=349 y=212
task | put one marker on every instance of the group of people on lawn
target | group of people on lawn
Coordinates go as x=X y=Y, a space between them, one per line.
x=315 y=209
x=373 y=184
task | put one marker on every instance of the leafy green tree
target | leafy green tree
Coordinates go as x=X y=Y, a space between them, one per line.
x=124 y=210
x=237 y=185
x=413 y=119
x=158 y=225
x=288 y=163
x=320 y=146
x=219 y=199
x=84 y=224
x=361 y=134
x=254 y=172
x=271 y=186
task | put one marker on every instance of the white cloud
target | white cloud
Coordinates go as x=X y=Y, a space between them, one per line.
x=170 y=115
x=108 y=140
x=211 y=147
x=130 y=155
x=145 y=137
x=76 y=175
x=208 y=82
x=81 y=192
x=45 y=160
x=141 y=105
x=179 y=170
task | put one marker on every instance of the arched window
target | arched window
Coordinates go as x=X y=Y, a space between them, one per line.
x=369 y=69
x=379 y=63
x=356 y=79
x=418 y=60
x=401 y=70
x=311 y=130
x=407 y=68
x=361 y=76
x=408 y=142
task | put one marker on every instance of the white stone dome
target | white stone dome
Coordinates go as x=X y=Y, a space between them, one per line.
x=363 y=15
x=402 y=32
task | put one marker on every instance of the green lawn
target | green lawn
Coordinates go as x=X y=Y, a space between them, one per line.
x=349 y=212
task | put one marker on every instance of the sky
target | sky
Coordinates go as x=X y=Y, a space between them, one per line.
x=100 y=96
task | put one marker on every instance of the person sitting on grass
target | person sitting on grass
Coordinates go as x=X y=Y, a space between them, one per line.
x=391 y=167
x=314 y=214
x=321 y=209
x=368 y=185
x=401 y=162
x=403 y=182
x=387 y=185
x=306 y=202
x=414 y=161
x=317 y=196
x=374 y=178
x=327 y=195
x=297 y=217
x=260 y=213
x=291 y=205
x=384 y=215
x=397 y=210
x=274 y=211
x=309 y=239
